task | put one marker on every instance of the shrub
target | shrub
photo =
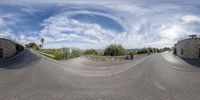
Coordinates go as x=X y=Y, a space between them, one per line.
x=19 y=48
x=174 y=51
x=91 y=52
x=32 y=45
x=76 y=53
x=114 y=50
x=142 y=51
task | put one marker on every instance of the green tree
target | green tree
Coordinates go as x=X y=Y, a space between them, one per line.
x=114 y=50
x=32 y=45
x=142 y=51
x=90 y=52
x=76 y=53
x=174 y=50
x=42 y=41
x=19 y=48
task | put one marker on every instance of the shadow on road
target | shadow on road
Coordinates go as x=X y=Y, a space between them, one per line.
x=22 y=60
x=195 y=63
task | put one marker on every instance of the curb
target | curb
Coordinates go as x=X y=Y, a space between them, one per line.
x=37 y=52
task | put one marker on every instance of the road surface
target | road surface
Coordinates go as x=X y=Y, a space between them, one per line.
x=30 y=76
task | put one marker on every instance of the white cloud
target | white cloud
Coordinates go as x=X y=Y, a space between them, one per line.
x=2 y=22
x=8 y=19
x=144 y=25
x=191 y=18
x=62 y=28
x=19 y=38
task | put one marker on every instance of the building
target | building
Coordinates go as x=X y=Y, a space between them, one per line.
x=7 y=48
x=188 y=48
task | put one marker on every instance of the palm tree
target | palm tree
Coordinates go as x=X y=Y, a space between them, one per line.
x=42 y=41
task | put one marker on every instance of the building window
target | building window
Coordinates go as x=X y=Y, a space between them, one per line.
x=181 y=51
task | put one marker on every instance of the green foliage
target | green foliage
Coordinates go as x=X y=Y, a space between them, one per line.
x=114 y=50
x=76 y=53
x=32 y=46
x=19 y=48
x=132 y=53
x=90 y=52
x=56 y=52
x=40 y=46
x=59 y=55
x=166 y=49
x=142 y=51
x=174 y=50
x=152 y=50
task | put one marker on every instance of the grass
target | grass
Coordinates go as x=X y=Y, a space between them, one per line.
x=104 y=58
x=57 y=53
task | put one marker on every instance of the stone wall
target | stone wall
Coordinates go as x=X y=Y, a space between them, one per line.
x=9 y=47
x=188 y=48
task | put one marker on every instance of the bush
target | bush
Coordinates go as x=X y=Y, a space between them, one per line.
x=76 y=53
x=19 y=48
x=142 y=51
x=55 y=52
x=132 y=53
x=91 y=52
x=32 y=46
x=174 y=51
x=114 y=50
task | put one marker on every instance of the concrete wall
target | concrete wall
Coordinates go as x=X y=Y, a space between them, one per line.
x=188 y=48
x=9 y=47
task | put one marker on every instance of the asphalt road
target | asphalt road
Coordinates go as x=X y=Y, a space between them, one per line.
x=30 y=76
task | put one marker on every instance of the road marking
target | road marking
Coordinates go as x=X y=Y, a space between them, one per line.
x=157 y=84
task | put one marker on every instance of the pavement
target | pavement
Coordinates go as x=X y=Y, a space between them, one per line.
x=154 y=77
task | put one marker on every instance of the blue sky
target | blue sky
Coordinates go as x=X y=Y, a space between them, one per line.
x=96 y=24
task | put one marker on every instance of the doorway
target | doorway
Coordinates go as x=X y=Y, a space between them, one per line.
x=1 y=52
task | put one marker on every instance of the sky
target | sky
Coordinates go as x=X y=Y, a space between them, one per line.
x=98 y=23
